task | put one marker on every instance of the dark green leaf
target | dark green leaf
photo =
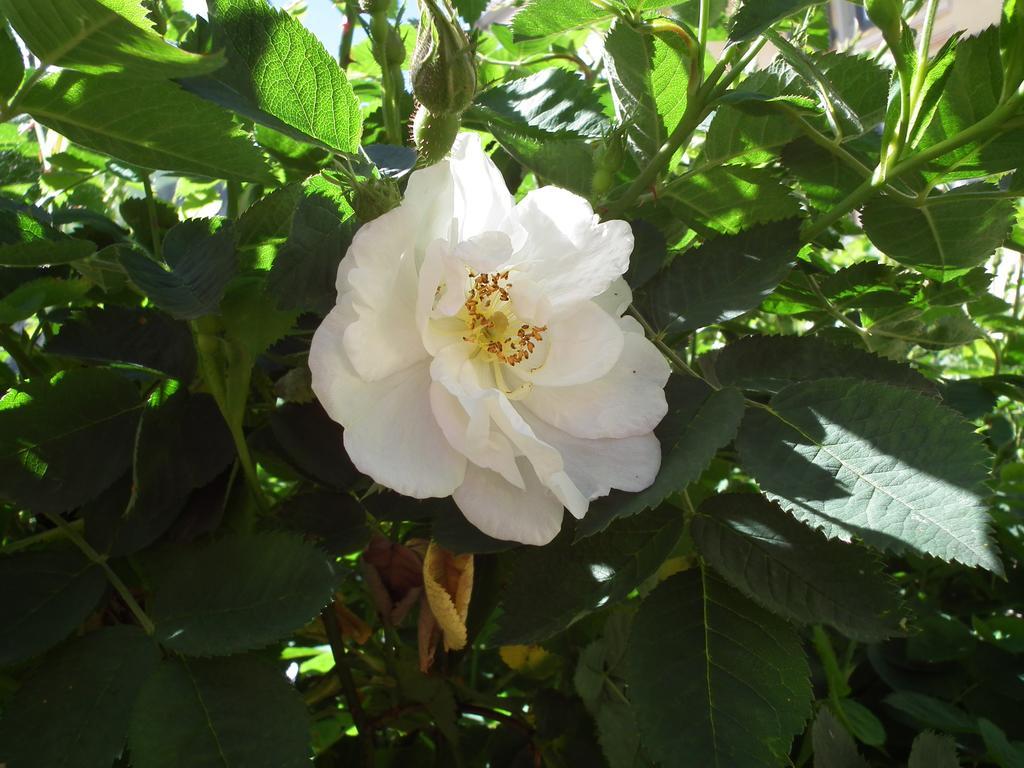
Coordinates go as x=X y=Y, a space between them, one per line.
x=947 y=236
x=794 y=571
x=200 y=256
x=1004 y=753
x=755 y=16
x=731 y=199
x=36 y=253
x=12 y=67
x=43 y=597
x=552 y=102
x=150 y=123
x=833 y=745
x=240 y=592
x=128 y=336
x=101 y=36
x=136 y=213
x=577 y=578
x=306 y=267
x=453 y=531
x=231 y=713
x=181 y=445
x=930 y=750
x=279 y=74
x=49 y=436
x=823 y=178
x=336 y=519
x=771 y=363
x=699 y=422
x=250 y=317
x=723 y=278
x=737 y=135
x=715 y=677
x=313 y=444
x=885 y=464
x=269 y=219
x=75 y=710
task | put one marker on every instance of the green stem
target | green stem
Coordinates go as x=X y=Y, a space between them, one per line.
x=834 y=311
x=40 y=538
x=154 y=221
x=13 y=108
x=348 y=684
x=380 y=28
x=703 y=22
x=72 y=535
x=234 y=199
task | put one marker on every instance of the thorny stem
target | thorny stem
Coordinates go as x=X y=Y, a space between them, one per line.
x=588 y=72
x=40 y=538
x=101 y=560
x=348 y=683
x=348 y=30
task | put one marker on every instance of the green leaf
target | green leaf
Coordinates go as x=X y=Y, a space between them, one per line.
x=930 y=750
x=833 y=745
x=823 y=178
x=250 y=318
x=864 y=725
x=128 y=336
x=598 y=681
x=929 y=712
x=200 y=256
x=723 y=278
x=239 y=593
x=628 y=62
x=306 y=267
x=971 y=91
x=148 y=123
x=74 y=711
x=567 y=163
x=670 y=76
x=700 y=420
x=771 y=363
x=312 y=443
x=715 y=677
x=731 y=199
x=40 y=252
x=947 y=236
x=12 y=67
x=755 y=16
x=552 y=102
x=1003 y=752
x=885 y=464
x=100 y=37
x=232 y=713
x=43 y=597
x=546 y=17
x=32 y=296
x=62 y=444
x=336 y=519
x=794 y=571
x=269 y=219
x=279 y=74
x=577 y=578
x=736 y=135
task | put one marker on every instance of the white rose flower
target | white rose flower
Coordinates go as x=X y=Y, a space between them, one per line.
x=478 y=350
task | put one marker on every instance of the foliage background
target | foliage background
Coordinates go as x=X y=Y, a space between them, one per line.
x=828 y=250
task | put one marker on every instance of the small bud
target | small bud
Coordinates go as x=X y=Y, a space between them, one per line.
x=443 y=67
x=394 y=48
x=434 y=134
x=375 y=197
x=887 y=15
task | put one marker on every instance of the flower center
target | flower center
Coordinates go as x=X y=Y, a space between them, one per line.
x=491 y=323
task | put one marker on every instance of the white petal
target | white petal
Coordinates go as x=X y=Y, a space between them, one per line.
x=578 y=347
x=616 y=299
x=466 y=424
x=342 y=393
x=398 y=442
x=629 y=400
x=467 y=187
x=531 y=516
x=570 y=253
x=597 y=466
x=382 y=285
